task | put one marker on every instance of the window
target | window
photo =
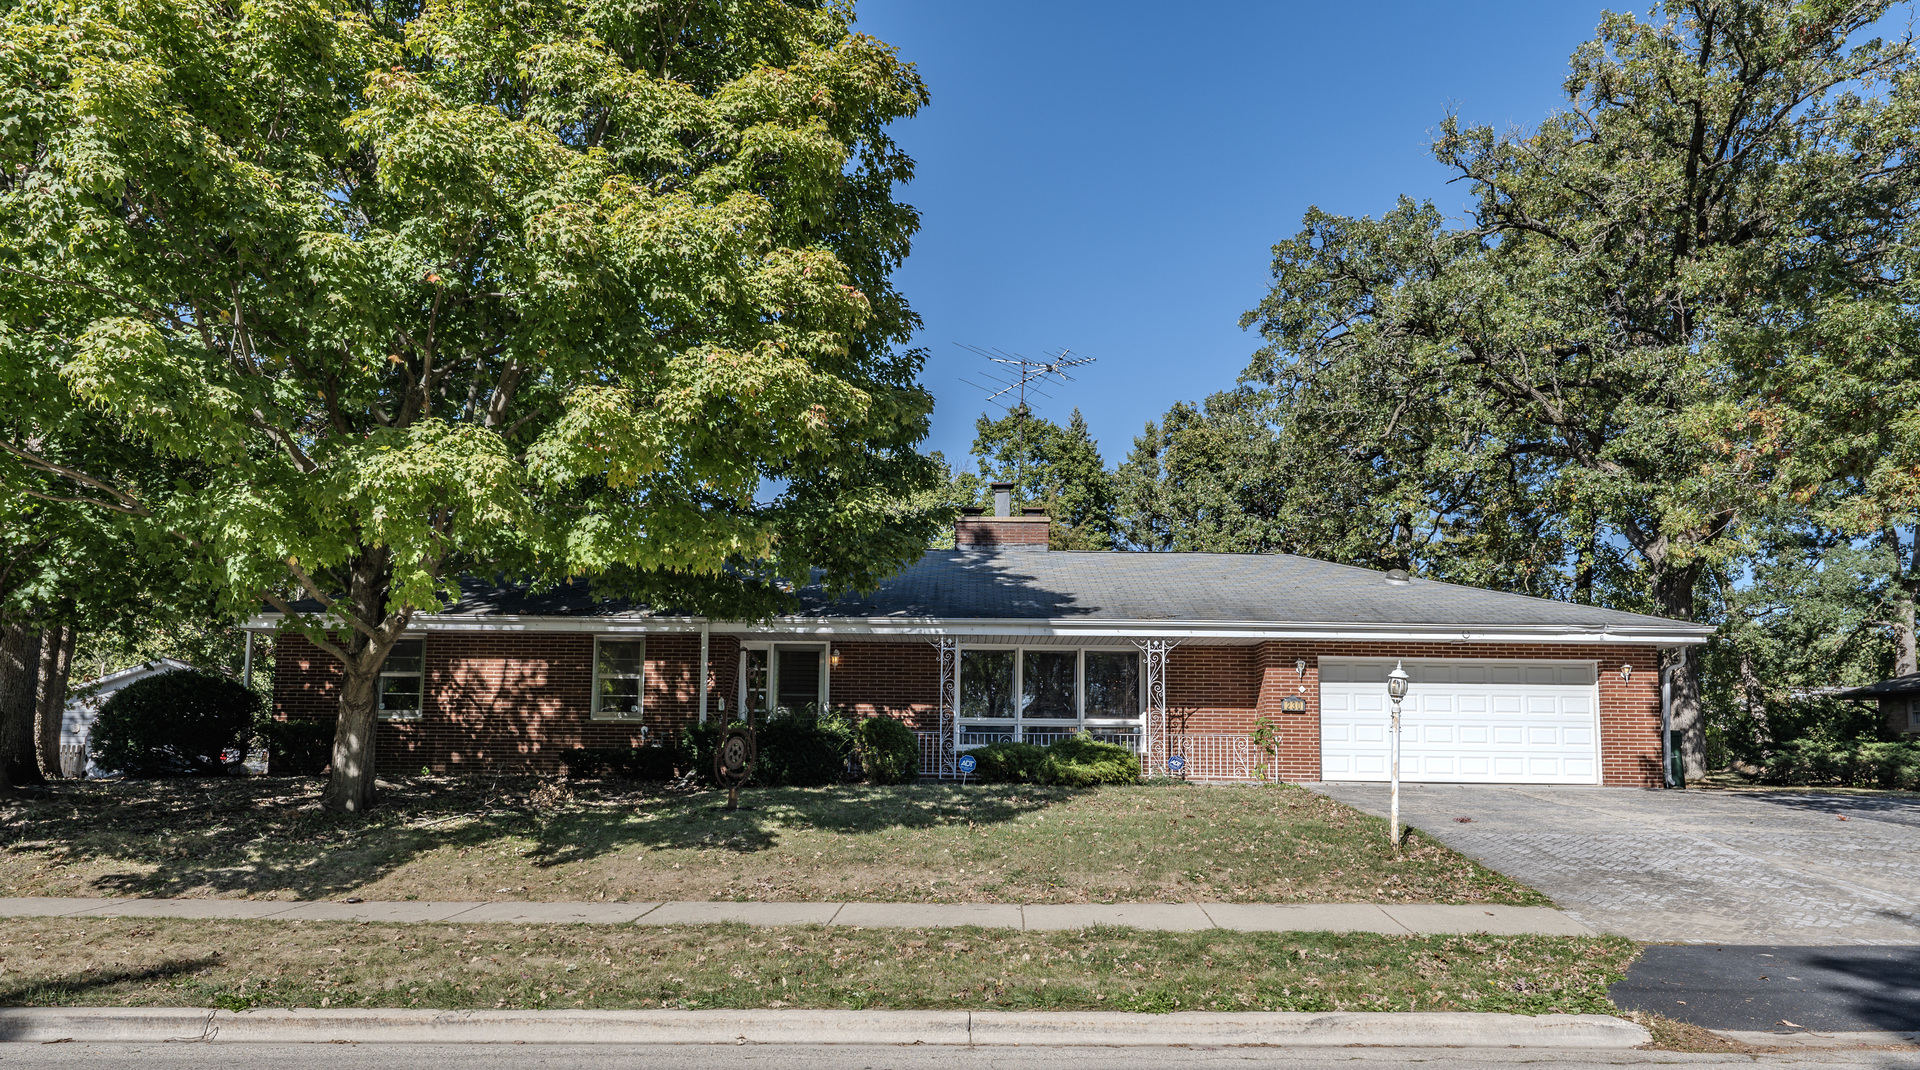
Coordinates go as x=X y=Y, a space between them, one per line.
x=1058 y=693
x=1913 y=715
x=619 y=678
x=792 y=675
x=401 y=681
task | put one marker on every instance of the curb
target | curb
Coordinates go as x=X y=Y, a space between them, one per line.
x=1864 y=1039
x=146 y=1025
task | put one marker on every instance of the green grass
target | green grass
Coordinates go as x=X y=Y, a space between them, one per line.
x=146 y=962
x=502 y=838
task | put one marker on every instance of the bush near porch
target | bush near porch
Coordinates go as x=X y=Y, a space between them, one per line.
x=493 y=838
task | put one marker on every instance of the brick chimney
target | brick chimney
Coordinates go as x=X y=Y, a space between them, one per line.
x=1002 y=530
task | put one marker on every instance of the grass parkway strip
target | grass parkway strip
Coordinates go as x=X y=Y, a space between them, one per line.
x=233 y=965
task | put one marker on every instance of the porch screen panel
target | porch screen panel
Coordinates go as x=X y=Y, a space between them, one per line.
x=1047 y=685
x=1113 y=685
x=986 y=685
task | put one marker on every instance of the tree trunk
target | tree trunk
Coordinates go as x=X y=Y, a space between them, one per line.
x=1905 y=593
x=1755 y=697
x=56 y=665
x=1673 y=590
x=350 y=783
x=19 y=667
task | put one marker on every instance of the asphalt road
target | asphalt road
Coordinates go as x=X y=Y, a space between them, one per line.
x=1731 y=986
x=794 y=1057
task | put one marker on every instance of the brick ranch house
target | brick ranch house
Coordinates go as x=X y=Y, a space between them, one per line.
x=1174 y=654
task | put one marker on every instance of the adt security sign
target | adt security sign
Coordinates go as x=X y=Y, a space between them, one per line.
x=1176 y=763
x=968 y=763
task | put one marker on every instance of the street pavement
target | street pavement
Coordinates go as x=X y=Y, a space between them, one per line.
x=1772 y=988
x=1747 y=867
x=1393 y=919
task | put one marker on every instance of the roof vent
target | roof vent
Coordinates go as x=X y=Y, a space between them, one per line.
x=1398 y=576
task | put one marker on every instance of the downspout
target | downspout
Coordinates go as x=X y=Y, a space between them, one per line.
x=703 y=671
x=1666 y=724
x=246 y=662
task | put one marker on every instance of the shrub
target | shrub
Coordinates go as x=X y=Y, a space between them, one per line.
x=889 y=751
x=1010 y=763
x=1855 y=764
x=175 y=724
x=1082 y=761
x=622 y=763
x=1076 y=762
x=297 y=747
x=697 y=742
x=804 y=750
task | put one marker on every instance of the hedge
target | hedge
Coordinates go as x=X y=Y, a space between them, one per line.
x=1075 y=762
x=180 y=723
x=1854 y=764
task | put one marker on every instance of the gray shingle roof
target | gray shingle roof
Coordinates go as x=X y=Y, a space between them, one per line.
x=1117 y=588
x=1899 y=685
x=1221 y=588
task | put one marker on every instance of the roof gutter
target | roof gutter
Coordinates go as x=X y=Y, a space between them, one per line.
x=1677 y=634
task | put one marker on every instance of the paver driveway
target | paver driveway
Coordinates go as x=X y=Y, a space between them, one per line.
x=1747 y=867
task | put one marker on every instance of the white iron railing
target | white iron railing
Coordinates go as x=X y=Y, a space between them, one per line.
x=1211 y=756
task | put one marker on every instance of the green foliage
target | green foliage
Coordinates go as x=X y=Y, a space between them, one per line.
x=1854 y=763
x=297 y=746
x=804 y=750
x=1010 y=763
x=889 y=751
x=447 y=290
x=1081 y=761
x=623 y=763
x=174 y=724
x=1075 y=762
x=1052 y=466
x=1266 y=743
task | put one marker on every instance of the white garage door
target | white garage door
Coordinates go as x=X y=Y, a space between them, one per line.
x=1463 y=722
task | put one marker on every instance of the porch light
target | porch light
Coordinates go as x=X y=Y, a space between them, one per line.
x=833 y=656
x=1396 y=690
x=1300 y=667
x=1626 y=672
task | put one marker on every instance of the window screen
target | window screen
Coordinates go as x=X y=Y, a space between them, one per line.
x=619 y=678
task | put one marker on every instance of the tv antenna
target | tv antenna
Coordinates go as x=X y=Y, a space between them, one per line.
x=1012 y=376
x=1019 y=376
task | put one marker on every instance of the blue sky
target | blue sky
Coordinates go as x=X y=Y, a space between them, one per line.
x=1108 y=177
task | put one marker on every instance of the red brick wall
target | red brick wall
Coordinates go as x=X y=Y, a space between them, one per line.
x=1011 y=532
x=895 y=679
x=510 y=702
x=513 y=701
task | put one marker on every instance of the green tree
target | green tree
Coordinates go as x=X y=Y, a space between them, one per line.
x=1056 y=467
x=1638 y=281
x=542 y=290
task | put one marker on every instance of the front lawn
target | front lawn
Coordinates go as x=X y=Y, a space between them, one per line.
x=147 y=962
x=505 y=838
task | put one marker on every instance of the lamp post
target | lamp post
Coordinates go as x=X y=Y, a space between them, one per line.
x=1396 y=690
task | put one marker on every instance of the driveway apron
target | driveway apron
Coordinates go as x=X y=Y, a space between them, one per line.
x=1748 y=867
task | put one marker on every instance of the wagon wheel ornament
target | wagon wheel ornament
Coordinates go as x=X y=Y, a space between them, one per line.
x=733 y=762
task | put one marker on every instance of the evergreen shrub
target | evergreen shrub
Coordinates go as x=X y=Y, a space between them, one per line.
x=622 y=763
x=1888 y=764
x=180 y=723
x=297 y=746
x=889 y=751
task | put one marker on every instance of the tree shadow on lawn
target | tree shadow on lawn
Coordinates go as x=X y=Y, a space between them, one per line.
x=52 y=991
x=263 y=835
x=697 y=822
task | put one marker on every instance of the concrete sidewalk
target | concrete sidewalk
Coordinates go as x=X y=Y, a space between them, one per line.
x=152 y=1025
x=1393 y=919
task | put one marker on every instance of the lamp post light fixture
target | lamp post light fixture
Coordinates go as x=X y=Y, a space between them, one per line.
x=1396 y=690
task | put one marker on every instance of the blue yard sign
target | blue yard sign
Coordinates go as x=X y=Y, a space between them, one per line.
x=1176 y=763
x=968 y=763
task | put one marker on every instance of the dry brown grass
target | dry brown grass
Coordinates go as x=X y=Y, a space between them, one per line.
x=145 y=962
x=446 y=839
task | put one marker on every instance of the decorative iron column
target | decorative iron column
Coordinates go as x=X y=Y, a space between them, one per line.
x=949 y=648
x=1153 y=729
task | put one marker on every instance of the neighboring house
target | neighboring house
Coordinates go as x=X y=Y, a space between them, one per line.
x=1899 y=700
x=1174 y=654
x=83 y=706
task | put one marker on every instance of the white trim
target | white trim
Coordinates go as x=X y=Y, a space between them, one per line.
x=826 y=629
x=770 y=647
x=594 y=712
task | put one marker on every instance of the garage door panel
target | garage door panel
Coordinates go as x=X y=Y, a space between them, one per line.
x=1463 y=722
